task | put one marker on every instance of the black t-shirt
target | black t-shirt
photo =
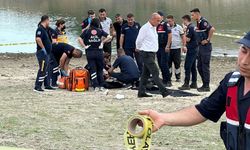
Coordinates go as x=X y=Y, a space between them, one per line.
x=163 y=30
x=192 y=44
x=45 y=36
x=85 y=23
x=130 y=34
x=118 y=27
x=214 y=106
x=93 y=37
x=127 y=66
x=60 y=48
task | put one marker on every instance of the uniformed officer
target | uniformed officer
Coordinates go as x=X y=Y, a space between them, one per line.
x=86 y=22
x=128 y=37
x=232 y=96
x=119 y=22
x=62 y=54
x=164 y=39
x=129 y=71
x=205 y=32
x=44 y=47
x=92 y=40
x=191 y=50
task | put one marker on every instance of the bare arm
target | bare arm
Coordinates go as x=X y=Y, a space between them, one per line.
x=211 y=32
x=81 y=42
x=184 y=40
x=186 y=117
x=111 y=70
x=121 y=40
x=63 y=61
x=39 y=42
x=66 y=65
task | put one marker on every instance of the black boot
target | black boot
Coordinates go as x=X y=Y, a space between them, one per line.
x=204 y=88
x=166 y=93
x=141 y=95
x=185 y=86
x=193 y=85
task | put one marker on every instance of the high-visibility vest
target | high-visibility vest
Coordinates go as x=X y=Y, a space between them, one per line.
x=238 y=135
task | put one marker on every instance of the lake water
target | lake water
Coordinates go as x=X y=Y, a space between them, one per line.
x=19 y=18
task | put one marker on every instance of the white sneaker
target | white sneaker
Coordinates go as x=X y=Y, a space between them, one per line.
x=102 y=89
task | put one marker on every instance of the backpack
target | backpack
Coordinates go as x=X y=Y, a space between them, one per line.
x=78 y=80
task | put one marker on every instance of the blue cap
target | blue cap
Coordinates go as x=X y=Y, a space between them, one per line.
x=245 y=40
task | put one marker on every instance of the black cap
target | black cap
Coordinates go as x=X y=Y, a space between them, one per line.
x=195 y=10
x=160 y=13
x=245 y=40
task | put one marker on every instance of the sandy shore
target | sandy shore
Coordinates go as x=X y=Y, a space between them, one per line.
x=92 y=121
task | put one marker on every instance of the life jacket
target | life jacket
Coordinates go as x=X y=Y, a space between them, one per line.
x=238 y=134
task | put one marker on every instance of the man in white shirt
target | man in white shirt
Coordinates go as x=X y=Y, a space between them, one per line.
x=147 y=43
x=178 y=41
x=107 y=26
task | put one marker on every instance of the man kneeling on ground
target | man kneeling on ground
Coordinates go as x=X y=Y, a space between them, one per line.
x=129 y=71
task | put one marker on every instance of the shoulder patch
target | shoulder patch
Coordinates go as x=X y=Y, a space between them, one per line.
x=38 y=33
x=234 y=79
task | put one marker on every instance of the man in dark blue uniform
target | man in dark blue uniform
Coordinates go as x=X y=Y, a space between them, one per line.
x=128 y=37
x=91 y=40
x=119 y=22
x=165 y=38
x=86 y=22
x=204 y=34
x=61 y=55
x=191 y=50
x=129 y=70
x=44 y=47
x=232 y=96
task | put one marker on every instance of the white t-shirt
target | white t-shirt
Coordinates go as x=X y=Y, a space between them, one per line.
x=147 y=39
x=106 y=25
x=177 y=31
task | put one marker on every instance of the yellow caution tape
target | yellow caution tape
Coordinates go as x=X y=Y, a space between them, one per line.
x=228 y=35
x=138 y=134
x=13 y=44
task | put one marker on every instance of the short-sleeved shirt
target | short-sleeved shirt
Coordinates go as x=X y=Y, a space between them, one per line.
x=127 y=66
x=93 y=37
x=214 y=106
x=106 y=24
x=86 y=22
x=203 y=28
x=59 y=48
x=177 y=32
x=163 y=30
x=130 y=34
x=192 y=44
x=45 y=36
x=118 y=28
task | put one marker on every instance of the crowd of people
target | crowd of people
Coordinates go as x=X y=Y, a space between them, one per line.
x=137 y=49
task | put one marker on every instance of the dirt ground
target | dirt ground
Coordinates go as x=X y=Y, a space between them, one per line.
x=62 y=120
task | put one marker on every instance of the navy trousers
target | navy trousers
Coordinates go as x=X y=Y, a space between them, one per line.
x=163 y=58
x=124 y=78
x=53 y=70
x=42 y=74
x=96 y=65
x=203 y=65
x=190 y=66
